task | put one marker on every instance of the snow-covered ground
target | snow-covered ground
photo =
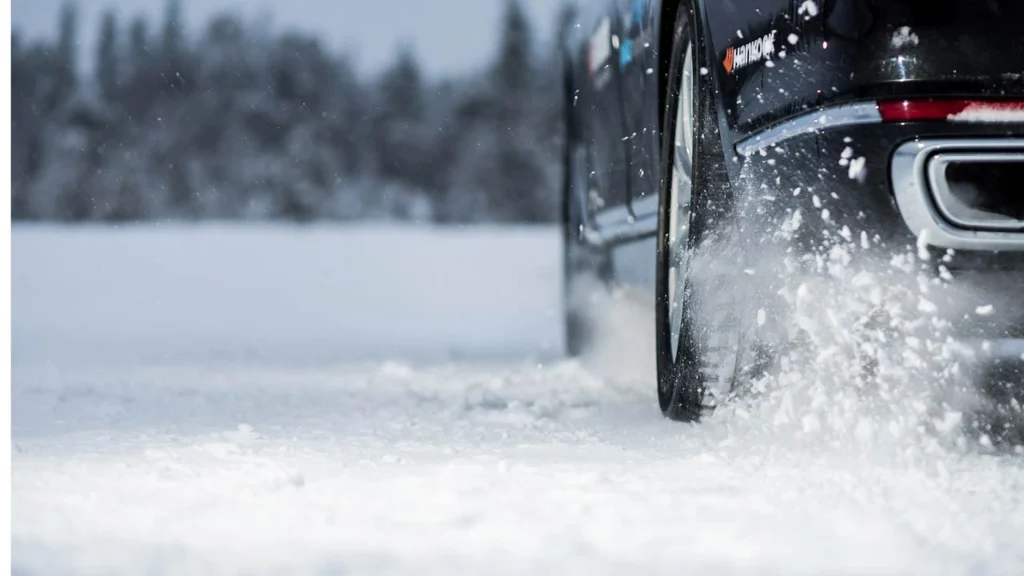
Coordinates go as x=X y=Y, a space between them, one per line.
x=261 y=400
x=283 y=294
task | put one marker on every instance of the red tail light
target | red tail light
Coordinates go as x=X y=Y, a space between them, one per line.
x=922 y=110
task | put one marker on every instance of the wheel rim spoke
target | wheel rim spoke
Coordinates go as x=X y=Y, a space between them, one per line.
x=681 y=189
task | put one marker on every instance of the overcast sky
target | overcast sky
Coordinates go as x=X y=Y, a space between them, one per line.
x=450 y=36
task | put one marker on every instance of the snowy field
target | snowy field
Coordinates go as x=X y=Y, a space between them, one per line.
x=275 y=400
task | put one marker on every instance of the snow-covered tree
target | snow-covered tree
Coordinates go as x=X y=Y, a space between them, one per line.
x=108 y=73
x=236 y=121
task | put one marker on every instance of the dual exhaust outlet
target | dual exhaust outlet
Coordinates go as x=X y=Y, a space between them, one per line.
x=962 y=193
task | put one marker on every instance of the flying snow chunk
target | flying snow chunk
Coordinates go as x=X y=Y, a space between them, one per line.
x=945 y=274
x=922 y=246
x=904 y=37
x=809 y=8
x=926 y=307
x=858 y=169
x=986 y=310
x=793 y=39
x=791 y=225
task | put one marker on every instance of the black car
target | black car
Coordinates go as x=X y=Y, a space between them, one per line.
x=699 y=128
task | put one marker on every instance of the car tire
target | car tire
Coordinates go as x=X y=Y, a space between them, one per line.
x=583 y=275
x=698 y=325
x=585 y=267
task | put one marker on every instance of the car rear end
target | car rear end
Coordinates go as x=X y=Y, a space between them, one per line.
x=915 y=144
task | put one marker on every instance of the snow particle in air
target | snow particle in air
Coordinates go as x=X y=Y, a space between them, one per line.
x=858 y=169
x=985 y=310
x=922 y=246
x=809 y=9
x=926 y=306
x=904 y=37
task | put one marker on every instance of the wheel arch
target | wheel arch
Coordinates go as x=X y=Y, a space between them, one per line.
x=666 y=34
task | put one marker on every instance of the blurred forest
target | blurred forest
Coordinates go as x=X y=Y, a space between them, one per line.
x=236 y=122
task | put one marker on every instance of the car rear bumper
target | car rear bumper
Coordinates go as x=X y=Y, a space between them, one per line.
x=846 y=178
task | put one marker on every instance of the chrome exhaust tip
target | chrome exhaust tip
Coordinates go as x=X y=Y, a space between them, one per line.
x=979 y=190
x=962 y=193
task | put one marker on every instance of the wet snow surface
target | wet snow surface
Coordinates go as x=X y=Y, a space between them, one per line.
x=288 y=401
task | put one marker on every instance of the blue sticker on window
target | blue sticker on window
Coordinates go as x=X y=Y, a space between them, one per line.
x=637 y=9
x=626 y=52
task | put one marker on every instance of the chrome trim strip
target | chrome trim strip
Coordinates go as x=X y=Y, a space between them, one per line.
x=943 y=195
x=810 y=123
x=624 y=229
x=610 y=217
x=646 y=206
x=914 y=199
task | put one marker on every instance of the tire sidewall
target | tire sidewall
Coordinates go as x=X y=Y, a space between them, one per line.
x=680 y=390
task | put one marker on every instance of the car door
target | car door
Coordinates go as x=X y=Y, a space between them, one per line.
x=599 y=107
x=744 y=88
x=639 y=66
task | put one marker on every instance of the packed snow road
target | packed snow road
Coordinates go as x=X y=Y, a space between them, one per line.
x=224 y=400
